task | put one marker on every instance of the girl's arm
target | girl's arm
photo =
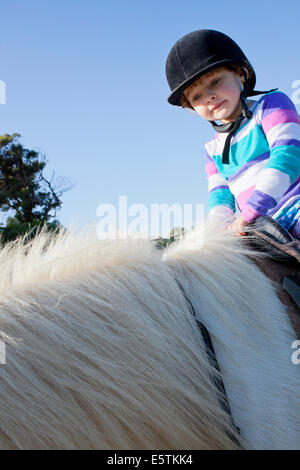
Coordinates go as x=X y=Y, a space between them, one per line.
x=221 y=202
x=281 y=125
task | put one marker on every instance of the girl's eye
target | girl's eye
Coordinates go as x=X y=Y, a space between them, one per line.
x=196 y=97
x=214 y=82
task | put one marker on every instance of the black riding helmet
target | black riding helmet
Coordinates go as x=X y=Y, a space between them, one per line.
x=198 y=53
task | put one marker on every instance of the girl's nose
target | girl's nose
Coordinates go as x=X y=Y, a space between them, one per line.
x=210 y=96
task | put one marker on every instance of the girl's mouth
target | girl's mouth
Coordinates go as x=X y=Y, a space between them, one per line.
x=218 y=105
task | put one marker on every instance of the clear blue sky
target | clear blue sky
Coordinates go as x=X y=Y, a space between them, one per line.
x=86 y=86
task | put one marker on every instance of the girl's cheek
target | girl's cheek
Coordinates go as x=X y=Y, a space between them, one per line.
x=198 y=110
x=201 y=112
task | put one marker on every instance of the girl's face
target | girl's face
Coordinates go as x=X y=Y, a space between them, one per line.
x=216 y=96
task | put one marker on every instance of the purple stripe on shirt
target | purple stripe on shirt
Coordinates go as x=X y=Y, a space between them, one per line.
x=261 y=201
x=294 y=190
x=247 y=165
x=276 y=101
x=295 y=183
x=219 y=187
x=277 y=143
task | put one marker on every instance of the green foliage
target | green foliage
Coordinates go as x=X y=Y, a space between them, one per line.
x=25 y=194
x=175 y=234
x=15 y=229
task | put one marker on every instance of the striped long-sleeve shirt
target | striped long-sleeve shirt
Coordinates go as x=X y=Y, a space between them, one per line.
x=263 y=174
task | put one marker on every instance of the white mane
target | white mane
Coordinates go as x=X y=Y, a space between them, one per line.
x=251 y=333
x=103 y=352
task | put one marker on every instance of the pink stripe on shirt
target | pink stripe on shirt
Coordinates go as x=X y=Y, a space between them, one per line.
x=279 y=117
x=243 y=197
x=249 y=213
x=211 y=169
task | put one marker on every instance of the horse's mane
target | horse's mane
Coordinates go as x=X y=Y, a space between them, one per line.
x=102 y=349
x=251 y=331
x=66 y=254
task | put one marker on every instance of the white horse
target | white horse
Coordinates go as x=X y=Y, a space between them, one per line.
x=103 y=352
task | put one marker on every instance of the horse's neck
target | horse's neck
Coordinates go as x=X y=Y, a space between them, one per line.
x=252 y=337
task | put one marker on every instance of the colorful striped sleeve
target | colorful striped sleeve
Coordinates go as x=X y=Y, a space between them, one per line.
x=221 y=202
x=281 y=125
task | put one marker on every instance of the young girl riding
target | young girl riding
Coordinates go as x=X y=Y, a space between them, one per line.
x=253 y=161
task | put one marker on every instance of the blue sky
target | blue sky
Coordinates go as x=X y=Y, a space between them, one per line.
x=86 y=86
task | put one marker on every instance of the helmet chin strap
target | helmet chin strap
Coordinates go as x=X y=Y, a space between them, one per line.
x=228 y=126
x=232 y=126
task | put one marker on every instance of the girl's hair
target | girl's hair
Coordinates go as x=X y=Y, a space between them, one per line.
x=237 y=68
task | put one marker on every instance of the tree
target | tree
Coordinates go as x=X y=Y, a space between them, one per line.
x=175 y=234
x=26 y=196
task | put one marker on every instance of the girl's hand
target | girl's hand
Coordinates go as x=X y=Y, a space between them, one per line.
x=238 y=225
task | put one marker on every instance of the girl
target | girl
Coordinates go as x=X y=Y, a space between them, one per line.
x=253 y=161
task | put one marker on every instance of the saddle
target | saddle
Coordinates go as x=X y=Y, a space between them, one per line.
x=282 y=265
